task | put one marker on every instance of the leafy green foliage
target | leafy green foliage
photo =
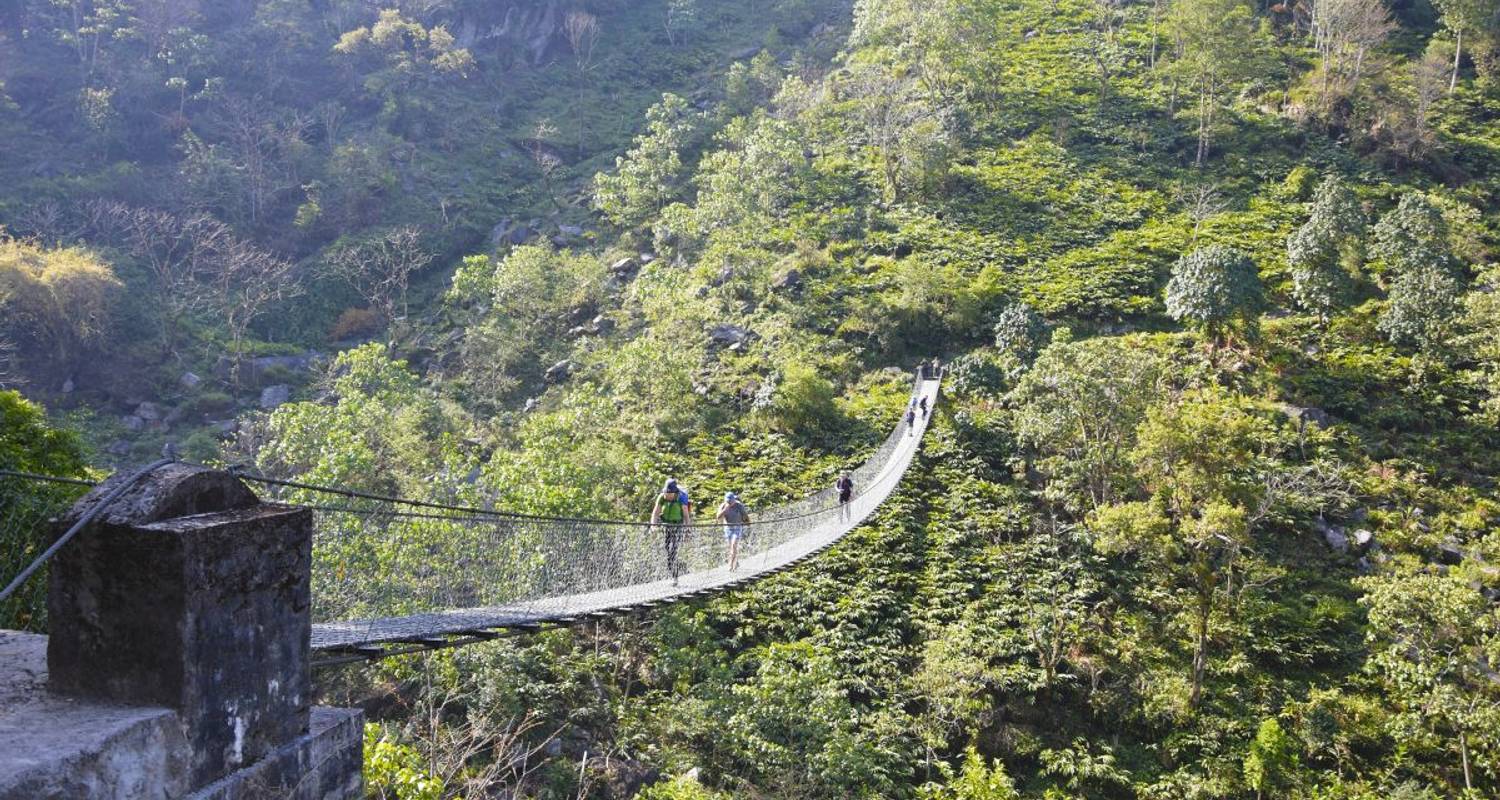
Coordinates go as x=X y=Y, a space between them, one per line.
x=1327 y=249
x=1213 y=288
x=29 y=443
x=652 y=173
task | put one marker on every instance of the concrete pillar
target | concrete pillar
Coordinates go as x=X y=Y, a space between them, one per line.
x=189 y=593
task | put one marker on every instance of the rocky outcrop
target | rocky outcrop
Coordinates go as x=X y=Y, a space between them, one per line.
x=731 y=337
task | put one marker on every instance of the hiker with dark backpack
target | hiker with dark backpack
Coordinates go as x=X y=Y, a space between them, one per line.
x=736 y=523
x=845 y=487
x=911 y=418
x=673 y=513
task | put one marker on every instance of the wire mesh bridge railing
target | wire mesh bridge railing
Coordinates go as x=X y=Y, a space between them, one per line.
x=391 y=575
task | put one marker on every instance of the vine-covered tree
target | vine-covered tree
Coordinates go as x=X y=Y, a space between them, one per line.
x=1327 y=250
x=1213 y=289
x=56 y=302
x=1018 y=331
x=1412 y=241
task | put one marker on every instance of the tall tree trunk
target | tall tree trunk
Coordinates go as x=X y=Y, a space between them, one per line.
x=1200 y=646
x=1458 y=52
x=1463 y=750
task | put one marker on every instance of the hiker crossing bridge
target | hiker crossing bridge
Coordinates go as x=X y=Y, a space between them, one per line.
x=392 y=575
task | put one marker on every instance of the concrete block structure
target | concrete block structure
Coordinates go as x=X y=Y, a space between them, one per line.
x=178 y=662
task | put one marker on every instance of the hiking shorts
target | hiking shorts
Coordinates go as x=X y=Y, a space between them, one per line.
x=735 y=533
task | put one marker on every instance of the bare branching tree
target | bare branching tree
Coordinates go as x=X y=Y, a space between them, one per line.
x=199 y=265
x=1201 y=202
x=547 y=160
x=380 y=267
x=1344 y=32
x=582 y=30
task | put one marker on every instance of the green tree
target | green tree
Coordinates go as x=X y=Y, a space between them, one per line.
x=1461 y=17
x=978 y=779
x=1272 y=761
x=1327 y=250
x=28 y=443
x=1412 y=236
x=1018 y=331
x=1481 y=326
x=388 y=427
x=403 y=61
x=1213 y=288
x=1203 y=458
x=1412 y=241
x=1431 y=638
x=1081 y=444
x=652 y=173
x=683 y=17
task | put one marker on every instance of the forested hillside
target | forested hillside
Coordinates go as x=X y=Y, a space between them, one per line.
x=1209 y=507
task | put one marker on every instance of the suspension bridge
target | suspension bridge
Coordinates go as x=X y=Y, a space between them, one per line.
x=392 y=575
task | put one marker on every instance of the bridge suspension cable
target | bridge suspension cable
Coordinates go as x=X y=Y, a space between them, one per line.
x=391 y=574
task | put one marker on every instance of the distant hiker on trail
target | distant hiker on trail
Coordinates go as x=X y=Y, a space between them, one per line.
x=845 y=487
x=736 y=522
x=924 y=406
x=673 y=512
x=911 y=419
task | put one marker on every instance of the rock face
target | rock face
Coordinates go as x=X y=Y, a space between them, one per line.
x=1334 y=536
x=149 y=412
x=1305 y=416
x=733 y=337
x=273 y=396
x=790 y=282
x=189 y=380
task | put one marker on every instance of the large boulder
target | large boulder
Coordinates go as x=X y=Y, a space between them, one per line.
x=733 y=337
x=1305 y=416
x=1334 y=536
x=790 y=282
x=149 y=412
x=273 y=396
x=559 y=372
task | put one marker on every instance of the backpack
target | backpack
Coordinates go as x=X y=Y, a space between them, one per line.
x=671 y=511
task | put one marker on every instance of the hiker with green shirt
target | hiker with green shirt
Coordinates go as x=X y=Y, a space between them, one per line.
x=673 y=512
